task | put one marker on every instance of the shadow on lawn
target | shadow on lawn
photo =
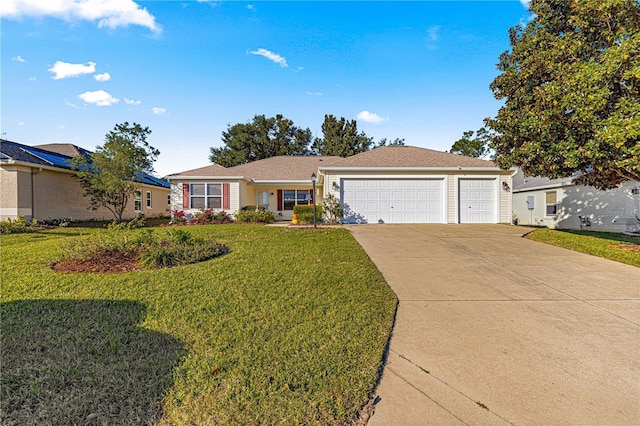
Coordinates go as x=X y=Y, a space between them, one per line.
x=604 y=235
x=82 y=362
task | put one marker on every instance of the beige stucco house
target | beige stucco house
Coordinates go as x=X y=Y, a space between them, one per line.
x=394 y=184
x=558 y=203
x=37 y=182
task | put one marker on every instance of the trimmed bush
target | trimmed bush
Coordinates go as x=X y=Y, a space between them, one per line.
x=210 y=216
x=305 y=213
x=252 y=216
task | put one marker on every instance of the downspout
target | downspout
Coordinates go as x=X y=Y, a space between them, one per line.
x=33 y=191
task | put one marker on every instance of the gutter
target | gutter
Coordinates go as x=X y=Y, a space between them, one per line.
x=410 y=169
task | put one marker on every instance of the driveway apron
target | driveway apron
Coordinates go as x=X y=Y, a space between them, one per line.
x=492 y=328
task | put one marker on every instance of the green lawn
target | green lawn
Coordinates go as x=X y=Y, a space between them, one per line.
x=610 y=245
x=289 y=327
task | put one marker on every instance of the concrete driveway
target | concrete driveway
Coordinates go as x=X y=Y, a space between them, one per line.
x=492 y=328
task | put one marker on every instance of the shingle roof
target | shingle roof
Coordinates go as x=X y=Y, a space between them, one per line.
x=522 y=182
x=210 y=170
x=410 y=156
x=68 y=149
x=282 y=167
x=52 y=158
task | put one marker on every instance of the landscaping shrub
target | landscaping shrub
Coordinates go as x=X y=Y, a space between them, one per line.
x=18 y=225
x=253 y=216
x=179 y=217
x=210 y=216
x=334 y=211
x=305 y=213
x=153 y=249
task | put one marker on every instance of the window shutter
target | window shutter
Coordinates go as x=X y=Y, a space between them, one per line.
x=279 y=199
x=185 y=196
x=226 y=197
x=312 y=199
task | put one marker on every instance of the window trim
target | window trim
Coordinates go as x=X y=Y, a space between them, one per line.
x=547 y=204
x=206 y=196
x=295 y=199
x=137 y=200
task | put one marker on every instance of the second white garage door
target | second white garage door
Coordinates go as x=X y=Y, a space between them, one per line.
x=477 y=200
x=393 y=200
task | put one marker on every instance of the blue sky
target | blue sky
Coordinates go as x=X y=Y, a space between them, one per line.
x=416 y=70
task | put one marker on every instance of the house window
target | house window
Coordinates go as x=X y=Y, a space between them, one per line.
x=551 y=203
x=169 y=199
x=205 y=196
x=291 y=197
x=137 y=200
x=148 y=199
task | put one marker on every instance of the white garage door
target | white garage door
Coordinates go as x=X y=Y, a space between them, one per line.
x=477 y=200
x=393 y=200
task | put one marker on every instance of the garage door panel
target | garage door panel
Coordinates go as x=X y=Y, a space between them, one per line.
x=393 y=200
x=477 y=200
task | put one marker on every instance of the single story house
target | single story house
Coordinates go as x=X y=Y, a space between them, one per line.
x=558 y=203
x=37 y=182
x=390 y=184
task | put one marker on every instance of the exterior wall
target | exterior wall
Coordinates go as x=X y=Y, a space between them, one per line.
x=15 y=192
x=613 y=210
x=503 y=198
x=241 y=194
x=235 y=191
x=58 y=195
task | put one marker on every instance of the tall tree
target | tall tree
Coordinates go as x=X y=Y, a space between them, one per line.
x=571 y=85
x=261 y=138
x=340 y=137
x=108 y=178
x=472 y=146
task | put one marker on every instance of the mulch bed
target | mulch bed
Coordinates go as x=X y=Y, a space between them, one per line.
x=102 y=262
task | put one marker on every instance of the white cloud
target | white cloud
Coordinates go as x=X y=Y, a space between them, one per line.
x=433 y=33
x=21 y=123
x=251 y=7
x=314 y=93
x=131 y=101
x=525 y=3
x=158 y=111
x=33 y=78
x=66 y=70
x=108 y=13
x=102 y=77
x=273 y=57
x=18 y=58
x=99 y=98
x=371 y=117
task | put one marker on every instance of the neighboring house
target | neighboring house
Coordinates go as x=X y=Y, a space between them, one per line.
x=37 y=182
x=395 y=184
x=558 y=203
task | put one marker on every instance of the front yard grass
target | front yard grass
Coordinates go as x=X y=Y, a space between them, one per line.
x=289 y=327
x=609 y=245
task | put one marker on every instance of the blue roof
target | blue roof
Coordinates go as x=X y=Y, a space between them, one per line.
x=50 y=157
x=19 y=152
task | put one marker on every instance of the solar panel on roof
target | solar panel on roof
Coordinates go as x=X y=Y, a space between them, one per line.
x=50 y=157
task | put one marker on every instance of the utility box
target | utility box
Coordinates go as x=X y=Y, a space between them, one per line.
x=530 y=202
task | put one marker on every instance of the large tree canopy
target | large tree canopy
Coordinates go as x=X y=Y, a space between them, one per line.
x=472 y=146
x=261 y=138
x=340 y=137
x=108 y=178
x=571 y=85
